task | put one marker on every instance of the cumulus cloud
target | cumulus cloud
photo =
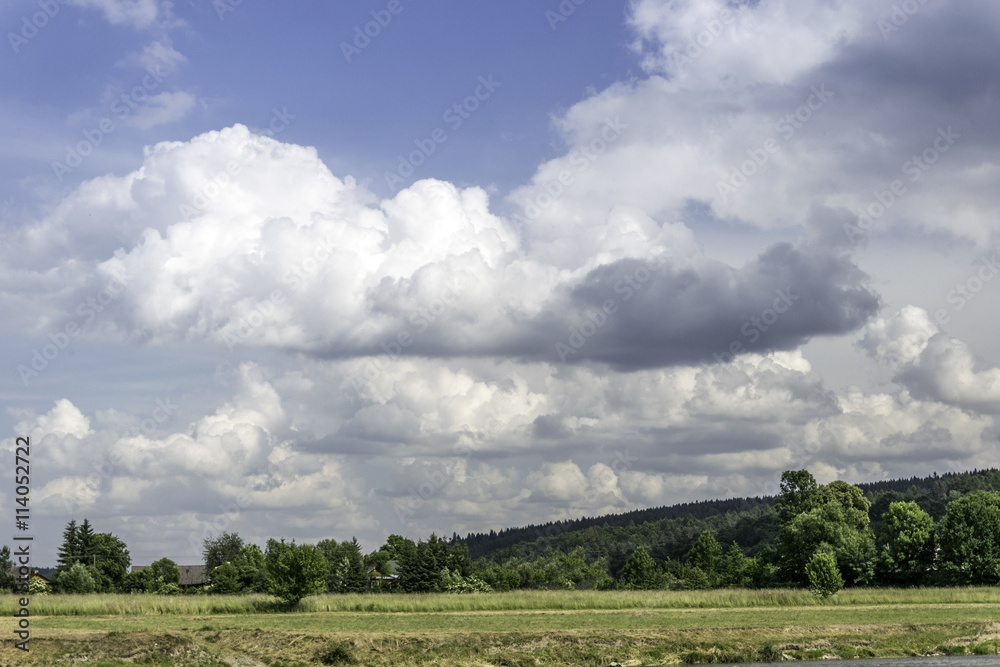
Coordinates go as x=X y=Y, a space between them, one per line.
x=931 y=364
x=238 y=239
x=746 y=128
x=455 y=368
x=718 y=43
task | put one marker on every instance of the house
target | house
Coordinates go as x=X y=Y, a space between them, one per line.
x=191 y=575
x=386 y=578
x=46 y=575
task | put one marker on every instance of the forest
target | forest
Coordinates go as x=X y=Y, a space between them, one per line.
x=933 y=531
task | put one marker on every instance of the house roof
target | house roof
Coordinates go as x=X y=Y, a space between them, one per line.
x=46 y=573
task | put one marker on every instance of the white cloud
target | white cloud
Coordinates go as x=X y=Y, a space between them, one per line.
x=931 y=364
x=135 y=13
x=161 y=109
x=713 y=43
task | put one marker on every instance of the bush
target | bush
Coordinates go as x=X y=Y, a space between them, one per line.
x=823 y=574
x=38 y=587
x=225 y=579
x=169 y=589
x=76 y=579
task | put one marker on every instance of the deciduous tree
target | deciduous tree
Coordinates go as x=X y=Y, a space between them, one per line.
x=295 y=571
x=906 y=545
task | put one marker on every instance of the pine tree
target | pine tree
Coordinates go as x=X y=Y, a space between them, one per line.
x=85 y=540
x=357 y=574
x=69 y=552
x=7 y=580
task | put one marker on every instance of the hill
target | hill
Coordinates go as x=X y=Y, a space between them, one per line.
x=669 y=531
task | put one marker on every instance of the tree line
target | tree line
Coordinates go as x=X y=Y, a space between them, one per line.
x=820 y=536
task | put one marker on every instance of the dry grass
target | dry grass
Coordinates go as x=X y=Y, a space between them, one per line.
x=145 y=604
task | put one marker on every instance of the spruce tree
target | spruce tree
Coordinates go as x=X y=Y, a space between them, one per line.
x=85 y=541
x=69 y=552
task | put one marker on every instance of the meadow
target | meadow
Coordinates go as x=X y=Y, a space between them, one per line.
x=517 y=628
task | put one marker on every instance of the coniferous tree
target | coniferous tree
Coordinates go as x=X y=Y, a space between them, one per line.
x=639 y=572
x=69 y=552
x=85 y=540
x=408 y=558
x=7 y=579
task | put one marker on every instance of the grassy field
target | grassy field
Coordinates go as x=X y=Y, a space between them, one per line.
x=510 y=629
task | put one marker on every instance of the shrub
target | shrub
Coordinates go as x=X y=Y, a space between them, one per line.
x=823 y=574
x=76 y=579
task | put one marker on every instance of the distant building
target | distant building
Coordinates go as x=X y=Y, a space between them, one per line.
x=192 y=576
x=386 y=578
x=46 y=575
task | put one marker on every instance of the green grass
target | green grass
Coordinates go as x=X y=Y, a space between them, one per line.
x=589 y=628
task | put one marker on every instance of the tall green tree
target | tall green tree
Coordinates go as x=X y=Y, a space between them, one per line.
x=69 y=552
x=295 y=571
x=735 y=568
x=111 y=560
x=639 y=572
x=7 y=579
x=706 y=554
x=251 y=570
x=226 y=579
x=906 y=544
x=798 y=495
x=85 y=539
x=969 y=535
x=395 y=545
x=839 y=518
x=166 y=570
x=349 y=572
x=408 y=560
x=218 y=550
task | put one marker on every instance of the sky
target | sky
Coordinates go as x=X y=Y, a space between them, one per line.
x=321 y=270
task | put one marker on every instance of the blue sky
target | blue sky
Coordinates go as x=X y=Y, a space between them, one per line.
x=360 y=114
x=639 y=236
